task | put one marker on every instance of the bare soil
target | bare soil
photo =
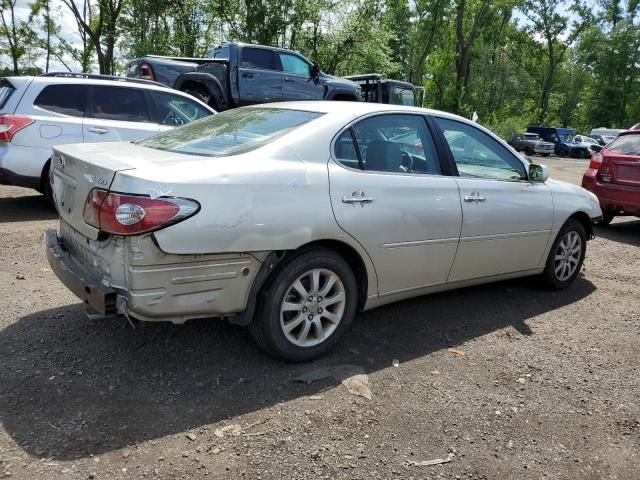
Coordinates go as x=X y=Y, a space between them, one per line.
x=547 y=388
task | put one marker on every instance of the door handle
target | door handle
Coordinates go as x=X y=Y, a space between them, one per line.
x=98 y=130
x=287 y=79
x=474 y=197
x=247 y=75
x=357 y=197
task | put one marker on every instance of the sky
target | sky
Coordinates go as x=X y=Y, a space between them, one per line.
x=68 y=31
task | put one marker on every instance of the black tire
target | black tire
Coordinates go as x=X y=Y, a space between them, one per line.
x=550 y=279
x=564 y=153
x=267 y=328
x=546 y=154
x=528 y=151
x=46 y=184
x=607 y=217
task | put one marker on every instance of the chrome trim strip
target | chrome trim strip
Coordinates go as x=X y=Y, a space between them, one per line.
x=416 y=243
x=482 y=238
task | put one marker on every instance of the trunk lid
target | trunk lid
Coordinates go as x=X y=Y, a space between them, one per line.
x=79 y=168
x=76 y=170
x=624 y=169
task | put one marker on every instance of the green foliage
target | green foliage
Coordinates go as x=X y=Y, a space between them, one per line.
x=513 y=62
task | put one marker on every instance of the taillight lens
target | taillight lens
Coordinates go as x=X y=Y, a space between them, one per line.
x=596 y=160
x=123 y=214
x=11 y=124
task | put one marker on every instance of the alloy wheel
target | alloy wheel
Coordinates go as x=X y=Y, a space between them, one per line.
x=313 y=307
x=567 y=256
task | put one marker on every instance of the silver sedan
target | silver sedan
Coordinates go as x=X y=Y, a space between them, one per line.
x=292 y=217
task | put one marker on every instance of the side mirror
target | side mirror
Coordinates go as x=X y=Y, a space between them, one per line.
x=315 y=71
x=596 y=148
x=538 y=173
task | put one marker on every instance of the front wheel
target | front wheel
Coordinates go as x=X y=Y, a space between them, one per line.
x=306 y=307
x=566 y=256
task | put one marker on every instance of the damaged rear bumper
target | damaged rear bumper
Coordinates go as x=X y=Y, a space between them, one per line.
x=96 y=296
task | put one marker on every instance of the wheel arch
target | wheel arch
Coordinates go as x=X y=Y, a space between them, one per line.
x=275 y=258
x=586 y=222
x=355 y=261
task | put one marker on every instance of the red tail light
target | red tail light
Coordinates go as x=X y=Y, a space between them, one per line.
x=123 y=214
x=146 y=73
x=596 y=160
x=10 y=124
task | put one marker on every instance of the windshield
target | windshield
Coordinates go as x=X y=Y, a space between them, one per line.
x=566 y=137
x=231 y=132
x=404 y=96
x=6 y=89
x=531 y=136
x=625 y=145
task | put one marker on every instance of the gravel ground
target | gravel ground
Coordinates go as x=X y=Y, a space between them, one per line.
x=547 y=388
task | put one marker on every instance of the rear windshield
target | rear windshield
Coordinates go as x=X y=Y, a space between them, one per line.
x=625 y=145
x=231 y=132
x=6 y=89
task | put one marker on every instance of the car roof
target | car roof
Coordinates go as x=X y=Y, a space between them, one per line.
x=354 y=108
x=95 y=80
x=52 y=80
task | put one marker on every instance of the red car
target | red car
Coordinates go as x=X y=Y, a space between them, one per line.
x=614 y=176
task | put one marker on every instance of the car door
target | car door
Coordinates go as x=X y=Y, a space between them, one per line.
x=117 y=113
x=388 y=192
x=507 y=219
x=259 y=79
x=297 y=83
x=170 y=110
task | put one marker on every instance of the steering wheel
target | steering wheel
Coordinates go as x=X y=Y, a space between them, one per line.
x=407 y=162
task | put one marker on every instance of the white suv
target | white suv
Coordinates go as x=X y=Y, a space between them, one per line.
x=37 y=113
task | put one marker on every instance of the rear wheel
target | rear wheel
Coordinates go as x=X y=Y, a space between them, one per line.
x=566 y=256
x=306 y=307
x=528 y=151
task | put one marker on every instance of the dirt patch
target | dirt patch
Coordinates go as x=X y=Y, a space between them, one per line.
x=501 y=381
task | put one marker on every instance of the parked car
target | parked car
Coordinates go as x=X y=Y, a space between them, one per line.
x=607 y=134
x=614 y=176
x=591 y=143
x=291 y=217
x=563 y=139
x=600 y=139
x=39 y=112
x=237 y=74
x=377 y=89
x=531 y=143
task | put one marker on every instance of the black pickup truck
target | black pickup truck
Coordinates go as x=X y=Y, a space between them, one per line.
x=237 y=74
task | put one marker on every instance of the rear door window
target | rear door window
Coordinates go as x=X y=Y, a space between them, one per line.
x=119 y=103
x=67 y=99
x=175 y=110
x=260 y=58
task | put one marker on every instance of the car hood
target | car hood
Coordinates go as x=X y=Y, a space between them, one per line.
x=337 y=82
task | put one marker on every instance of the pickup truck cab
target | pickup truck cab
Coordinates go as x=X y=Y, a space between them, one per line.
x=563 y=139
x=238 y=74
x=531 y=143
